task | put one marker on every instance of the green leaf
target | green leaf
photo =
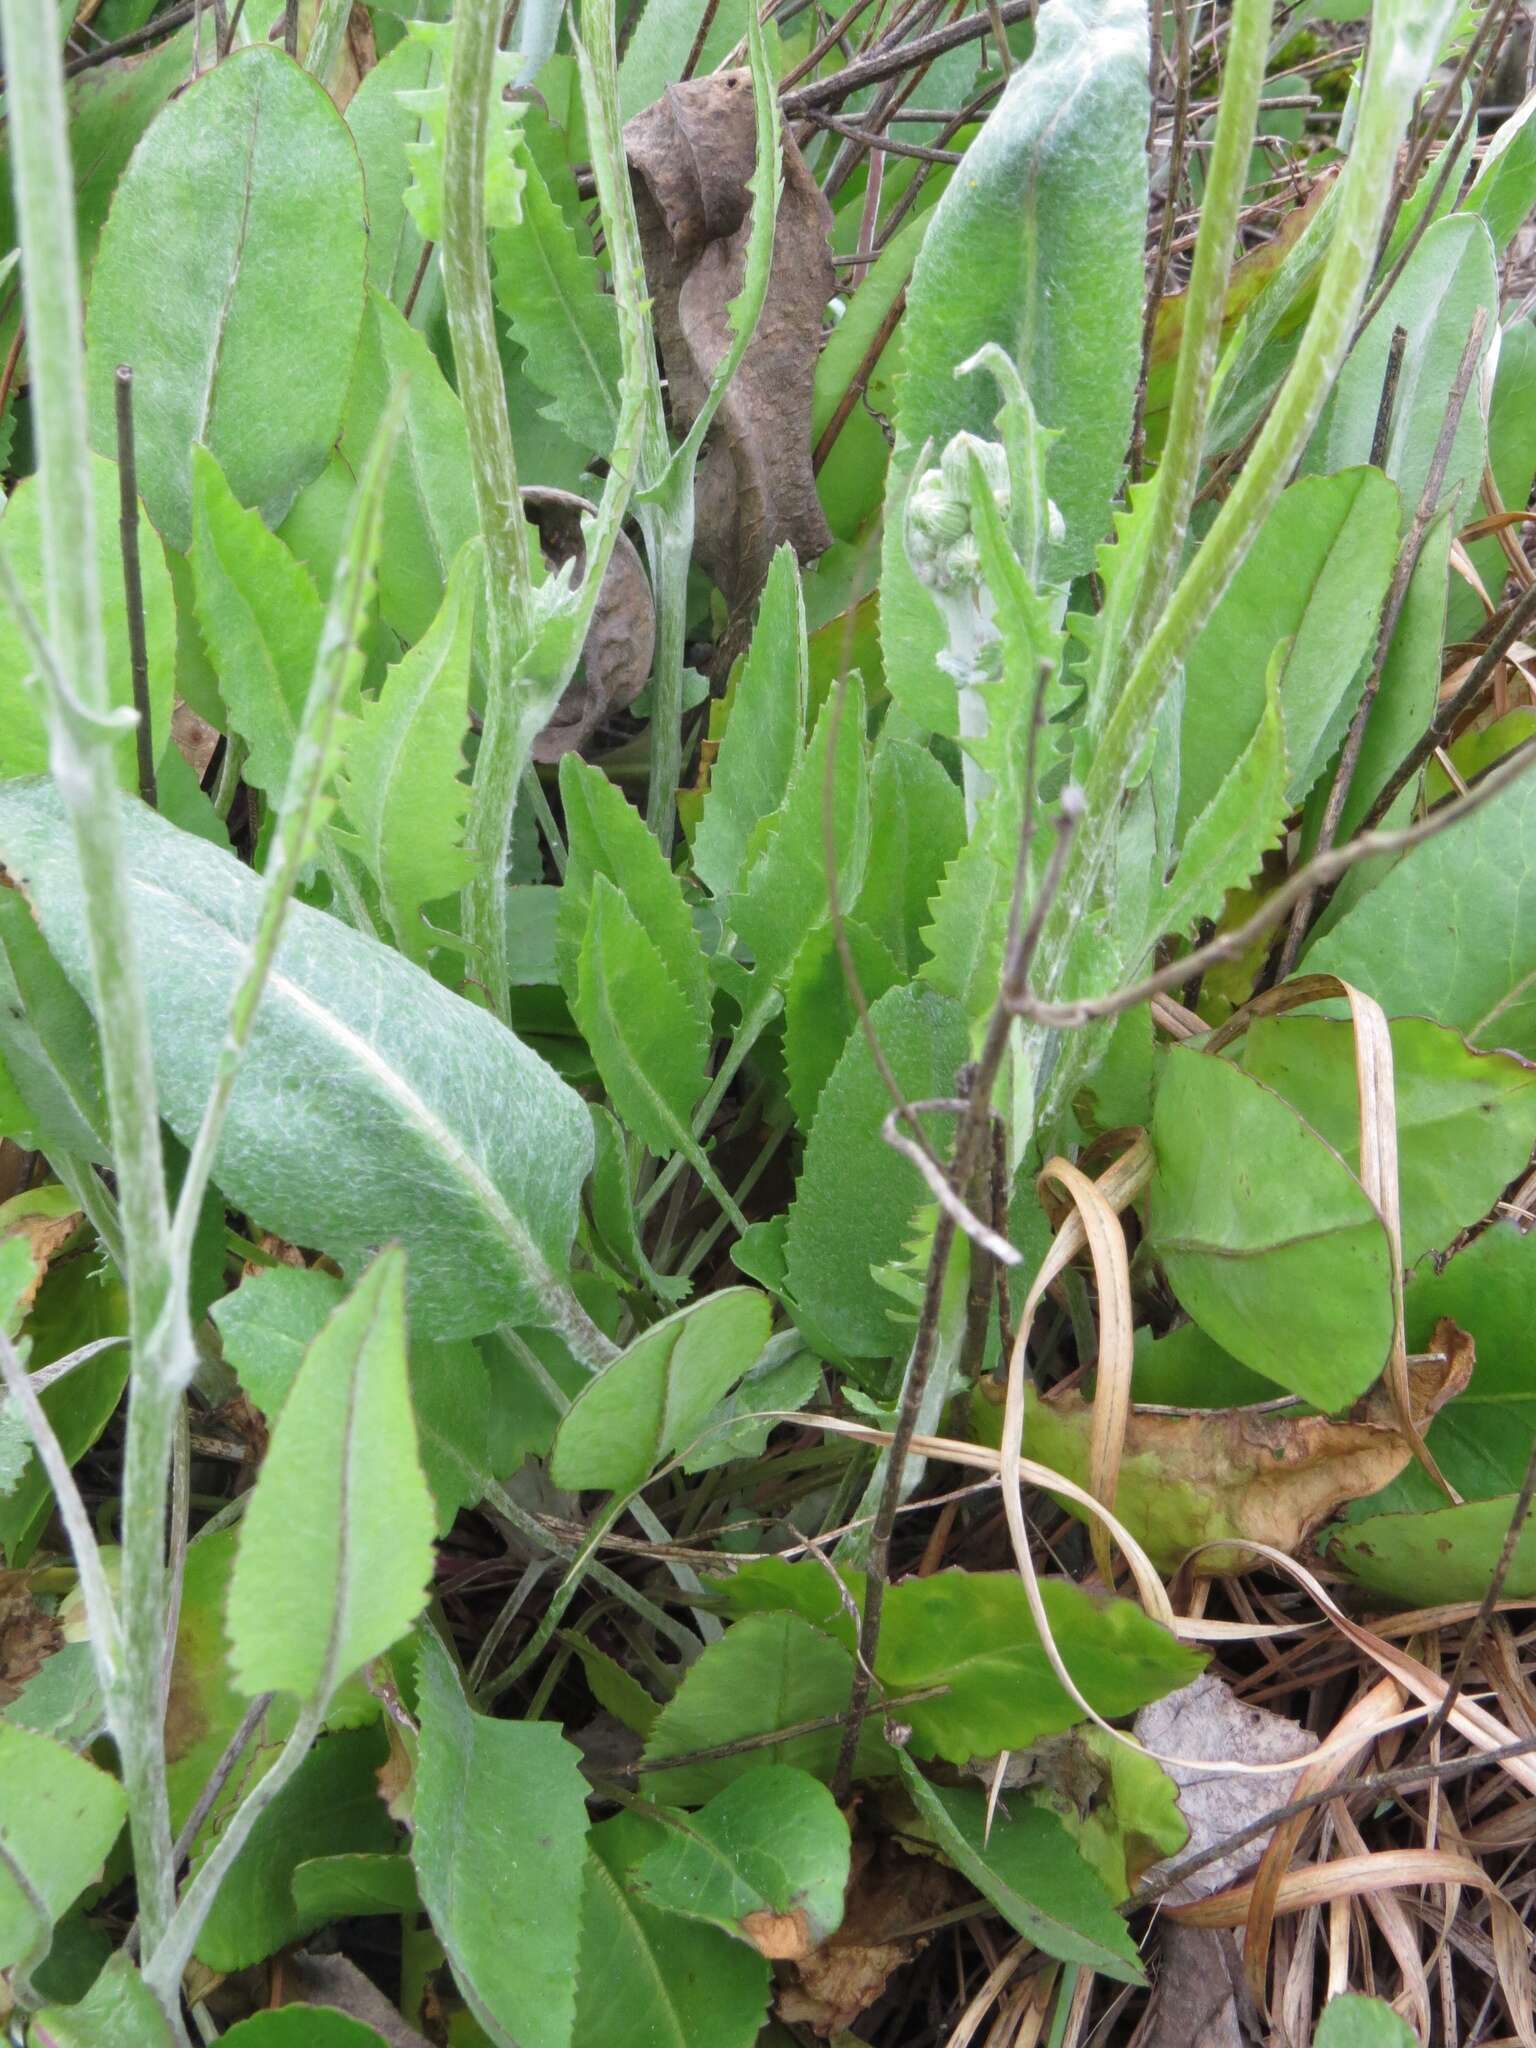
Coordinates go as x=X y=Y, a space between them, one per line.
x=23 y=733
x=608 y=838
x=373 y=1105
x=303 y=2026
x=783 y=885
x=230 y=275
x=1504 y=190
x=1029 y=1869
x=917 y=827
x=1465 y=1121
x=1227 y=841
x=768 y=1672
x=613 y=1687
x=1267 y=1238
x=549 y=288
x=1468 y=897
x=611 y=1199
x=819 y=1012
x=330 y=1806
x=429 y=500
x=1355 y=2022
x=48 y=1039
x=400 y=782
x=741 y=1424
x=336 y=1546
x=503 y=170
x=654 y=56
x=1447 y=1554
x=353 y=1886
x=651 y=1401
x=1408 y=692
x=1512 y=458
x=119 y=2011
x=260 y=615
x=771 y=1849
x=1312 y=587
x=82 y=1299
x=268 y=1323
x=648 y=1044
x=1449 y=277
x=972 y=1633
x=855 y=1197
x=59 y=1816
x=649 y=1979
x=383 y=128
x=62 y=1698
x=1036 y=244
x=500 y=1833
x=764 y=734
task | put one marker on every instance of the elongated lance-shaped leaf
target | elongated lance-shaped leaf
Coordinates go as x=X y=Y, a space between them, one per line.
x=550 y=291
x=372 y=1105
x=499 y=1847
x=649 y=1048
x=608 y=837
x=336 y=1546
x=303 y=806
x=400 y=780
x=764 y=734
x=260 y=617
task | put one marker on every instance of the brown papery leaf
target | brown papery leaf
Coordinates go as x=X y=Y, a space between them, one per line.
x=690 y=156
x=616 y=655
x=1247 y=1473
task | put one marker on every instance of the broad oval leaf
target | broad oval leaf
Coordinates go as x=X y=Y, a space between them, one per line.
x=1267 y=1238
x=1036 y=244
x=303 y=2026
x=649 y=1979
x=336 y=1545
x=119 y=2011
x=1466 y=1120
x=59 y=1816
x=766 y=1860
x=1355 y=2022
x=1029 y=1867
x=1444 y=1554
x=230 y=276
x=1468 y=896
x=373 y=1103
x=499 y=1848
x=651 y=1401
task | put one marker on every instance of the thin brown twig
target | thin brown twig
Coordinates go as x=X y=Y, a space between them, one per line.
x=1406 y=1777
x=858 y=382
x=1449 y=714
x=1381 y=435
x=1391 y=611
x=743 y=1745
x=152 y=31
x=889 y=62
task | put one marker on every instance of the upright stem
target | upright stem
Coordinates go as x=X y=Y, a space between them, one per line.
x=1404 y=44
x=81 y=757
x=493 y=467
x=1204 y=305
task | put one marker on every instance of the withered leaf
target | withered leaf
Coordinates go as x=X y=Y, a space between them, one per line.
x=690 y=157
x=616 y=655
x=1273 y=1477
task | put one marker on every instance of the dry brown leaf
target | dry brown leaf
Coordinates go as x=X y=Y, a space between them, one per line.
x=29 y=1635
x=690 y=156
x=195 y=738
x=45 y=1235
x=888 y=1892
x=616 y=655
x=1208 y=1720
x=1192 y=1999
x=1188 y=1479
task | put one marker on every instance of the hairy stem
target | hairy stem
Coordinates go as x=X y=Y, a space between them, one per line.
x=493 y=467
x=81 y=736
